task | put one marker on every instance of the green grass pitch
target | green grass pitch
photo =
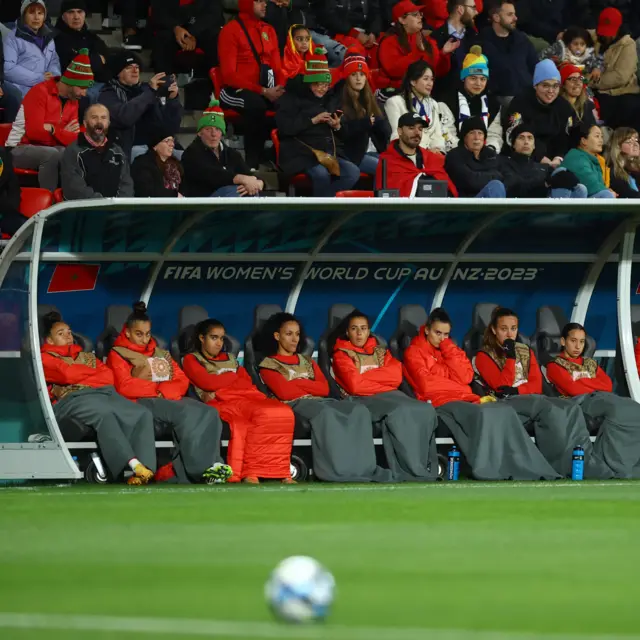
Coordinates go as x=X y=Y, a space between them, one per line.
x=446 y=561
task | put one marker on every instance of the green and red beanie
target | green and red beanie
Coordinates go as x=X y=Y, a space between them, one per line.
x=213 y=116
x=79 y=73
x=316 y=67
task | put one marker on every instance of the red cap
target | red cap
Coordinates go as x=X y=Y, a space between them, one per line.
x=567 y=70
x=404 y=7
x=609 y=22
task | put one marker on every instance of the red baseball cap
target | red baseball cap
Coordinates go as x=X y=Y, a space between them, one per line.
x=567 y=70
x=609 y=22
x=404 y=7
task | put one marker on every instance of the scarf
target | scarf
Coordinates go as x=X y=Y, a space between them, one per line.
x=120 y=89
x=423 y=108
x=465 y=109
x=172 y=177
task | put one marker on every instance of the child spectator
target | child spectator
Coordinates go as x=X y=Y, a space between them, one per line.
x=298 y=48
x=157 y=174
x=576 y=47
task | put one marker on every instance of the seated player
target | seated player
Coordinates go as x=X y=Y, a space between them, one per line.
x=341 y=434
x=369 y=375
x=489 y=434
x=512 y=372
x=149 y=375
x=618 y=440
x=261 y=428
x=82 y=393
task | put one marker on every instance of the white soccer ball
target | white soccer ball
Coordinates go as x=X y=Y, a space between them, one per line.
x=300 y=589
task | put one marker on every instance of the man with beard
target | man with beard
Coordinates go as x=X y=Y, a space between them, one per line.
x=94 y=166
x=512 y=57
x=406 y=162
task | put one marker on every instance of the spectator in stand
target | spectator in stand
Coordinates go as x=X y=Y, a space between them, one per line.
x=284 y=14
x=473 y=99
x=617 y=87
x=10 y=217
x=252 y=75
x=509 y=52
x=459 y=29
x=48 y=121
x=29 y=52
x=299 y=47
x=435 y=13
x=212 y=168
x=184 y=27
x=545 y=111
x=129 y=11
x=475 y=168
x=405 y=43
x=585 y=161
x=623 y=160
x=575 y=92
x=576 y=47
x=311 y=133
x=362 y=121
x=72 y=35
x=414 y=96
x=630 y=10
x=527 y=177
x=157 y=174
x=10 y=95
x=406 y=162
x=138 y=108
x=94 y=166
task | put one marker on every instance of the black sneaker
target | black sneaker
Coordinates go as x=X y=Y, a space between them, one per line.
x=132 y=42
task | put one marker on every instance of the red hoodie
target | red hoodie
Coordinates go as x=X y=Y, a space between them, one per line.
x=293 y=389
x=567 y=386
x=59 y=372
x=237 y=63
x=402 y=174
x=388 y=377
x=135 y=388
x=227 y=386
x=435 y=12
x=495 y=377
x=440 y=375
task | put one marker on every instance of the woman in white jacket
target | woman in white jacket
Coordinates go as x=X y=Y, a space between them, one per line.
x=414 y=96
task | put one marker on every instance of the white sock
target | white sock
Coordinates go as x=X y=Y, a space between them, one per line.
x=133 y=462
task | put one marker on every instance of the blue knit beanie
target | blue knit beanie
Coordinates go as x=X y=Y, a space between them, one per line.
x=545 y=70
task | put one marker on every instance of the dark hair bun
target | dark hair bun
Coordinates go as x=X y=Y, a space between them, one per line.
x=52 y=317
x=139 y=307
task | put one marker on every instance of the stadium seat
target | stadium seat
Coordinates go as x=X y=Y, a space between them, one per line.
x=230 y=115
x=33 y=200
x=410 y=318
x=58 y=196
x=355 y=194
x=621 y=387
x=480 y=319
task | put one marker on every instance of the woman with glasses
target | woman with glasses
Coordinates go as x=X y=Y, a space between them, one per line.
x=623 y=159
x=157 y=174
x=548 y=114
x=575 y=92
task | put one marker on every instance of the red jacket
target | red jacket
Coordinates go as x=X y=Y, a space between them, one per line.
x=285 y=389
x=495 y=378
x=227 y=386
x=435 y=11
x=402 y=174
x=135 y=388
x=42 y=106
x=637 y=354
x=237 y=62
x=57 y=371
x=394 y=60
x=440 y=375
x=567 y=386
x=385 y=378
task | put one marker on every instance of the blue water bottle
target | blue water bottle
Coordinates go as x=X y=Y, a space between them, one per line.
x=453 y=464
x=577 y=464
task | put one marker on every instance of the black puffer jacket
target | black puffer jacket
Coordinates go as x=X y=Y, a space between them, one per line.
x=68 y=43
x=340 y=16
x=547 y=18
x=471 y=175
x=148 y=178
x=525 y=176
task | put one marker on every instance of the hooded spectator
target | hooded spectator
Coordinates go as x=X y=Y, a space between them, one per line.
x=435 y=13
x=414 y=96
x=252 y=75
x=311 y=132
x=405 y=43
x=95 y=166
x=575 y=92
x=406 y=162
x=510 y=54
x=48 y=121
x=362 y=121
x=297 y=50
x=211 y=168
x=545 y=111
x=284 y=14
x=29 y=52
x=156 y=173
x=72 y=34
x=475 y=168
x=10 y=217
x=472 y=98
x=623 y=160
x=585 y=161
x=138 y=108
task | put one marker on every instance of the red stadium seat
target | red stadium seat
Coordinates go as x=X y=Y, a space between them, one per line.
x=34 y=200
x=355 y=194
x=58 y=196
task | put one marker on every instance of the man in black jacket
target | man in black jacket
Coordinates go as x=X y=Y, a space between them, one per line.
x=213 y=169
x=72 y=34
x=94 y=166
x=281 y=14
x=545 y=20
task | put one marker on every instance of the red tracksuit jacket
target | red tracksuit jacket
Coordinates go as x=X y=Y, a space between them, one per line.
x=495 y=378
x=567 y=386
x=285 y=389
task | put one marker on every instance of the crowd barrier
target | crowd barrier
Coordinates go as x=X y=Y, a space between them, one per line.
x=304 y=255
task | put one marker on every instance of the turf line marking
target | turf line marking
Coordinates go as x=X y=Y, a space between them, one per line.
x=261 y=630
